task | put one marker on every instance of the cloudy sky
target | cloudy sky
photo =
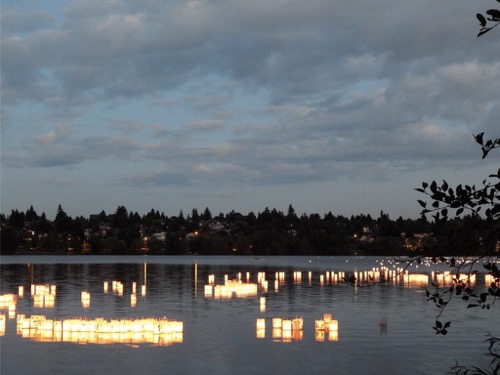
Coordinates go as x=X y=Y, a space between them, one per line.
x=328 y=105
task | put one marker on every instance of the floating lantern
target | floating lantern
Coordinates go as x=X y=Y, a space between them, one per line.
x=2 y=324
x=261 y=323
x=297 y=277
x=85 y=298
x=7 y=300
x=277 y=323
x=262 y=304
x=326 y=326
x=208 y=291
x=286 y=325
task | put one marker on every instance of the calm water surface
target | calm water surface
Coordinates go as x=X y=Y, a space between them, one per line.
x=219 y=332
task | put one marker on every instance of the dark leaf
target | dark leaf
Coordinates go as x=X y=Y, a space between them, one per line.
x=495 y=13
x=482 y=22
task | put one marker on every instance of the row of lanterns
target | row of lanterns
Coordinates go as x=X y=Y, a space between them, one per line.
x=231 y=288
x=100 y=331
x=286 y=330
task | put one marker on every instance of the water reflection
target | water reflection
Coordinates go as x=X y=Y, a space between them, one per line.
x=247 y=310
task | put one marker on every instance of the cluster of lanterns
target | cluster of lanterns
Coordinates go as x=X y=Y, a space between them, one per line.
x=8 y=302
x=161 y=332
x=283 y=329
x=288 y=330
x=326 y=327
x=44 y=296
x=447 y=277
x=231 y=288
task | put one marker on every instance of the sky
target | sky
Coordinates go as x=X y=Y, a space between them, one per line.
x=328 y=105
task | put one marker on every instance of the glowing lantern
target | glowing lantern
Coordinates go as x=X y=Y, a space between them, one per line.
x=333 y=336
x=319 y=325
x=20 y=291
x=286 y=325
x=208 y=291
x=2 y=324
x=12 y=311
x=85 y=298
x=133 y=300
x=260 y=328
x=106 y=287
x=262 y=304
x=297 y=324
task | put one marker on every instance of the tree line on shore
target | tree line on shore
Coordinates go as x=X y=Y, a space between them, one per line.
x=270 y=232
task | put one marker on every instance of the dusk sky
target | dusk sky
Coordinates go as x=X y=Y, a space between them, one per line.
x=341 y=106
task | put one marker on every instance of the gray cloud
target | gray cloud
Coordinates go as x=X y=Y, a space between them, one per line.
x=220 y=92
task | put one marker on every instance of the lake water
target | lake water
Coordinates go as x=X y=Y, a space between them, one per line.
x=201 y=315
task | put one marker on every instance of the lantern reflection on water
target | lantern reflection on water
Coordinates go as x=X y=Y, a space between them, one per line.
x=448 y=278
x=9 y=302
x=44 y=296
x=232 y=288
x=324 y=326
x=261 y=328
x=2 y=324
x=416 y=280
x=6 y=300
x=85 y=298
x=161 y=332
x=283 y=329
x=489 y=279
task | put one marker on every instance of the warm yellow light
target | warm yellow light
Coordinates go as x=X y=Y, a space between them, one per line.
x=262 y=304
x=6 y=300
x=324 y=326
x=20 y=291
x=286 y=325
x=85 y=298
x=99 y=331
x=416 y=280
x=261 y=323
x=2 y=324
x=235 y=288
x=208 y=291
